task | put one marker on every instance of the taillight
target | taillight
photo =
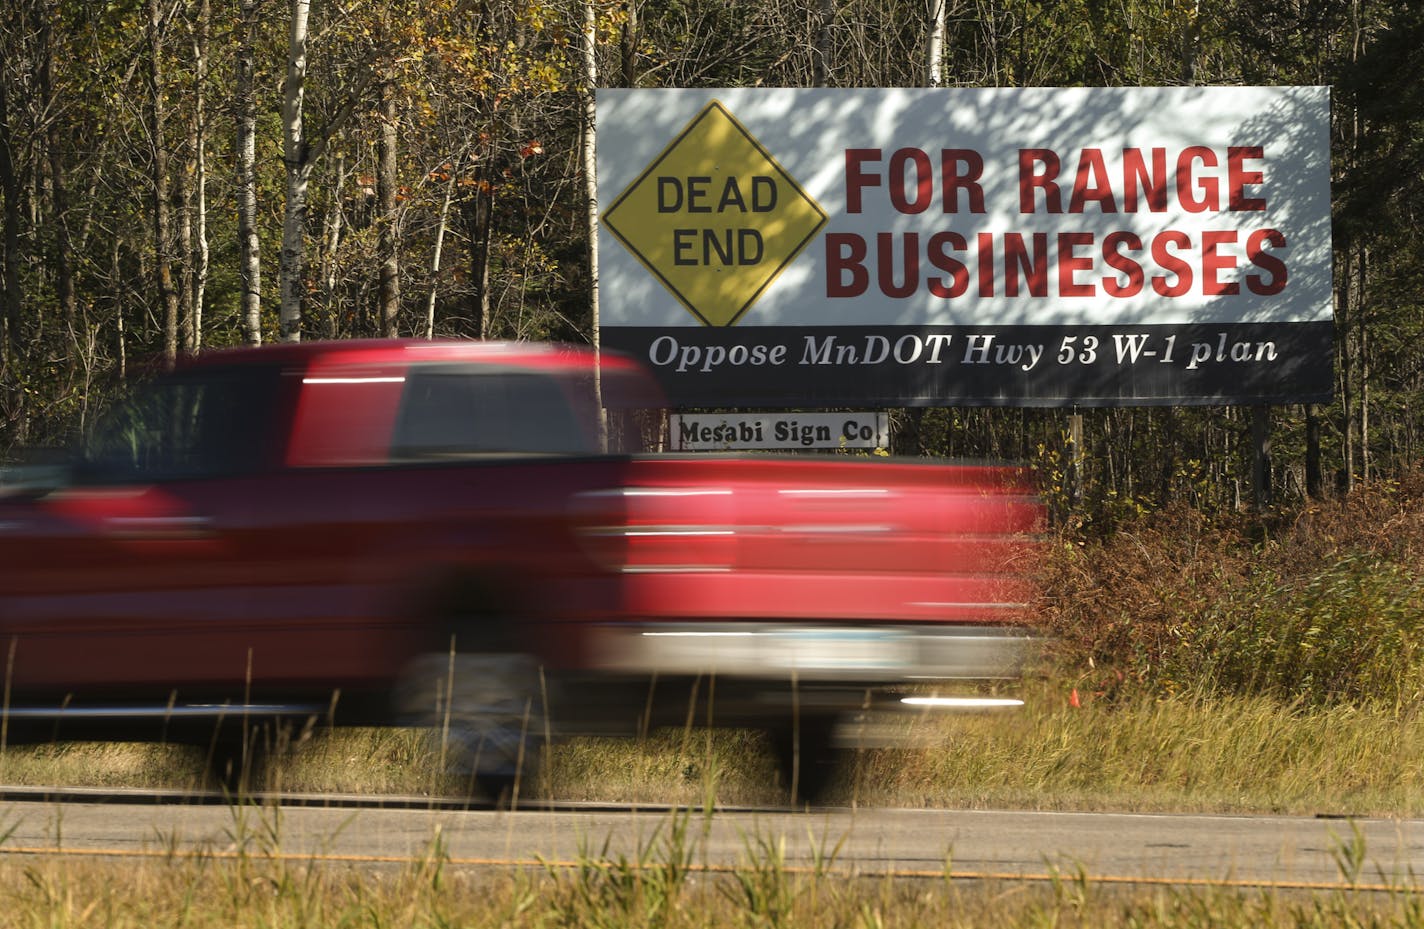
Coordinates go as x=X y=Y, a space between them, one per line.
x=658 y=529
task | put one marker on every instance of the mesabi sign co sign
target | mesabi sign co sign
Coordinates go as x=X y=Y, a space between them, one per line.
x=702 y=432
x=1034 y=246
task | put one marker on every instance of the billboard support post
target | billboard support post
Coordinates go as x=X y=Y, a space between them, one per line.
x=1260 y=456
x=1074 y=473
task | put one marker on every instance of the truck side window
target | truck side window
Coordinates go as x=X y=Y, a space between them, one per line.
x=459 y=412
x=200 y=424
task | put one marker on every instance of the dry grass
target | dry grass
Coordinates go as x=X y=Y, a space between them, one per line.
x=1204 y=753
x=659 y=888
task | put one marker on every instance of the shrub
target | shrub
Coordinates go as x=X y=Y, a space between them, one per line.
x=1319 y=605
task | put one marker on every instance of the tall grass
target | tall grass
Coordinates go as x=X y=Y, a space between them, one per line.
x=1184 y=752
x=661 y=886
x=1187 y=751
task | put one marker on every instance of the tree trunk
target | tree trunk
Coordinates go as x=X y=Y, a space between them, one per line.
x=387 y=225
x=333 y=225
x=162 y=219
x=590 y=171
x=200 y=175
x=120 y=340
x=59 y=198
x=183 y=201
x=297 y=157
x=435 y=255
x=10 y=188
x=934 y=46
x=821 y=54
x=300 y=154
x=249 y=249
x=1361 y=272
x=1314 y=476
x=629 y=40
x=478 y=219
x=1344 y=313
x=1191 y=39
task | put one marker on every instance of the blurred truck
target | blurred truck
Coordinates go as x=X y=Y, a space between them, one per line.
x=432 y=534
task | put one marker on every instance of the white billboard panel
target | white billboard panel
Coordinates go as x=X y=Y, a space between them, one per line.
x=1045 y=246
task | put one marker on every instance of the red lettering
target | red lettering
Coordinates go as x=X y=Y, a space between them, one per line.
x=968 y=181
x=1069 y=264
x=985 y=242
x=1079 y=264
x=1030 y=180
x=1154 y=181
x=1237 y=177
x=1206 y=184
x=1256 y=254
x=845 y=254
x=1172 y=264
x=885 y=255
x=923 y=184
x=1115 y=259
x=941 y=243
x=855 y=159
x=1091 y=183
x=1213 y=263
x=1018 y=261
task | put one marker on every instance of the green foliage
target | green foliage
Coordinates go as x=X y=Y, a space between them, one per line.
x=1351 y=631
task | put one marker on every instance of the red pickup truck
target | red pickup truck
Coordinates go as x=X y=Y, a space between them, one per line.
x=388 y=532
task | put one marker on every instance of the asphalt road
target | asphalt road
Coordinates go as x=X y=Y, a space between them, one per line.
x=1290 y=851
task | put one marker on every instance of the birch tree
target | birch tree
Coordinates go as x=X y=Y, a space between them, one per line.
x=162 y=210
x=248 y=245
x=934 y=44
x=589 y=49
x=199 y=257
x=298 y=159
x=388 y=224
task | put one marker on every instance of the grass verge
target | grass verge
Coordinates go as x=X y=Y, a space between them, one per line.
x=661 y=887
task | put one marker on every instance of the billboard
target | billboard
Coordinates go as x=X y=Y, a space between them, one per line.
x=998 y=246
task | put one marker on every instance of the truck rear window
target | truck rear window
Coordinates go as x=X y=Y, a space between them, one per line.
x=447 y=412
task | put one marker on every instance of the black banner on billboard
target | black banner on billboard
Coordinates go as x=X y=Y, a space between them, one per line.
x=1044 y=366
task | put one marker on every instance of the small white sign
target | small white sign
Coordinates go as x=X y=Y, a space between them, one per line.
x=709 y=432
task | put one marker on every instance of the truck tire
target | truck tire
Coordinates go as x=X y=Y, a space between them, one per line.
x=807 y=757
x=236 y=758
x=491 y=726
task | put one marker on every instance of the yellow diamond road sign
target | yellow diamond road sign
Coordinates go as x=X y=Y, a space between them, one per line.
x=715 y=218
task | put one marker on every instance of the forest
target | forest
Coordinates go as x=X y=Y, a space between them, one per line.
x=180 y=175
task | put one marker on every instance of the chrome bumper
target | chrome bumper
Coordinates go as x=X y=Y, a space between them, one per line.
x=882 y=654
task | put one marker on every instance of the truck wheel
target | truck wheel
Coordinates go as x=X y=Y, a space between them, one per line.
x=487 y=711
x=236 y=760
x=807 y=757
